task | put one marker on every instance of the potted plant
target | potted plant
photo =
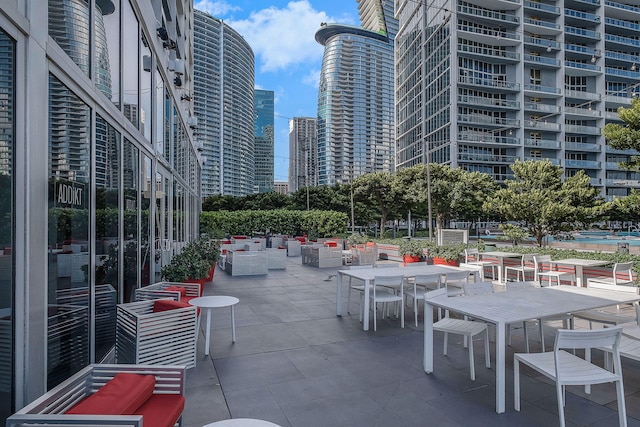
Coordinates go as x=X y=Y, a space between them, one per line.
x=448 y=254
x=411 y=250
x=356 y=239
x=193 y=263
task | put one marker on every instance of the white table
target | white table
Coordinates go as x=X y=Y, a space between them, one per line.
x=500 y=257
x=244 y=422
x=368 y=274
x=209 y=303
x=516 y=306
x=578 y=264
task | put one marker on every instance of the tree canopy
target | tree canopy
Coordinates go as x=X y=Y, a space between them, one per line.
x=538 y=198
x=628 y=136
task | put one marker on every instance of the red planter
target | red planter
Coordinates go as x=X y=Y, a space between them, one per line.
x=410 y=258
x=211 y=273
x=442 y=261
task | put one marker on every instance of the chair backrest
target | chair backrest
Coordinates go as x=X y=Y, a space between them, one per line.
x=436 y=293
x=428 y=279
x=540 y=260
x=624 y=268
x=478 y=288
x=522 y=285
x=388 y=280
x=471 y=254
x=587 y=339
x=386 y=265
x=456 y=276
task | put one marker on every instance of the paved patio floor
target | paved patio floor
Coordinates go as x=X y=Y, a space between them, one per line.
x=295 y=363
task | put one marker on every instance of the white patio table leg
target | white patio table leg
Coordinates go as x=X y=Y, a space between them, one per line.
x=579 y=276
x=500 y=367
x=207 y=337
x=427 y=361
x=339 y=295
x=365 y=308
x=233 y=325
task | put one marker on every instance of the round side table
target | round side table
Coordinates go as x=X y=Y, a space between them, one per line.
x=209 y=303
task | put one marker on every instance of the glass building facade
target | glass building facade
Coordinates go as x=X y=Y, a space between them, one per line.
x=481 y=84
x=355 y=124
x=223 y=100
x=264 y=139
x=303 y=153
x=96 y=122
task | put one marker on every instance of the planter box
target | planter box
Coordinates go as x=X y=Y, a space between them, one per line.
x=442 y=261
x=246 y=263
x=276 y=259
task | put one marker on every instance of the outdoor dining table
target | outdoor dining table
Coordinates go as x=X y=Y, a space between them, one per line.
x=368 y=274
x=500 y=256
x=579 y=264
x=515 y=306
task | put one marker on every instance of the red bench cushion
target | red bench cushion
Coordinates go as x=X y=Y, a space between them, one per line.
x=161 y=410
x=168 y=304
x=181 y=289
x=122 y=395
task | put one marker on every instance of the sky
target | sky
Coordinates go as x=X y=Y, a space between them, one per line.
x=287 y=57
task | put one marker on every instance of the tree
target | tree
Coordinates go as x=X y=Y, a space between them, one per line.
x=469 y=194
x=379 y=189
x=626 y=208
x=545 y=204
x=627 y=136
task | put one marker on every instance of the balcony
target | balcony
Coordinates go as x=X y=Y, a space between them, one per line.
x=542 y=60
x=553 y=160
x=619 y=99
x=582 y=146
x=542 y=42
x=595 y=182
x=582 y=112
x=488 y=54
x=541 y=27
x=625 y=42
x=479 y=119
x=541 y=90
x=499 y=37
x=536 y=124
x=490 y=15
x=581 y=164
x=622 y=183
x=612 y=116
x=488 y=139
x=578 y=94
x=582 y=68
x=622 y=57
x=543 y=108
x=612 y=165
x=542 y=7
x=496 y=84
x=621 y=24
x=628 y=74
x=581 y=129
x=622 y=11
x=581 y=32
x=489 y=102
x=542 y=143
x=475 y=157
x=576 y=15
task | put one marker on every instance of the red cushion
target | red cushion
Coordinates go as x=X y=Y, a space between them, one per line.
x=168 y=304
x=120 y=396
x=187 y=299
x=281 y=247
x=331 y=243
x=161 y=410
x=181 y=289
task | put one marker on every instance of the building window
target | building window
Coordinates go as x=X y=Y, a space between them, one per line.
x=69 y=188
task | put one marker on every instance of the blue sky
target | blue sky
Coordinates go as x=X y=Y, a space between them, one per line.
x=288 y=59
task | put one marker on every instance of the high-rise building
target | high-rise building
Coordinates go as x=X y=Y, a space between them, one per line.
x=355 y=95
x=480 y=85
x=303 y=149
x=264 y=139
x=223 y=101
x=99 y=176
x=281 y=187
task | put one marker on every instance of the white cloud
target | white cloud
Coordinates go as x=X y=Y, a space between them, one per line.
x=282 y=38
x=312 y=78
x=215 y=8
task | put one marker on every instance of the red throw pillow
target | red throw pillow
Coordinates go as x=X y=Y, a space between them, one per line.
x=122 y=395
x=181 y=289
x=168 y=304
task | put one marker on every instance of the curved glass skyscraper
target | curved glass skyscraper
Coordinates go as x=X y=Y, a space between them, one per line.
x=355 y=96
x=224 y=104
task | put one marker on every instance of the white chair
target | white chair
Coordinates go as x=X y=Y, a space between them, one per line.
x=622 y=275
x=527 y=266
x=544 y=268
x=383 y=291
x=357 y=288
x=473 y=257
x=567 y=369
x=608 y=318
x=418 y=285
x=480 y=288
x=466 y=328
x=454 y=281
